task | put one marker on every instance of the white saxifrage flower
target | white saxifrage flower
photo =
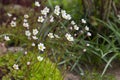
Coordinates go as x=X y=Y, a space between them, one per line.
x=56 y=36
x=65 y=15
x=86 y=28
x=7 y=38
x=40 y=58
x=89 y=34
x=33 y=44
x=28 y=33
x=15 y=66
x=35 y=31
x=73 y=22
x=45 y=11
x=51 y=19
x=13 y=24
x=41 y=46
x=25 y=24
x=40 y=19
x=9 y=14
x=83 y=21
x=37 y=4
x=76 y=27
x=28 y=63
x=26 y=16
x=35 y=37
x=50 y=35
x=69 y=37
x=57 y=10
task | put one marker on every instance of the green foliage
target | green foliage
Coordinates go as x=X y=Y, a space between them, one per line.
x=44 y=70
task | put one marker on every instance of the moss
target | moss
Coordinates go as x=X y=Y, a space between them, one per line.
x=37 y=70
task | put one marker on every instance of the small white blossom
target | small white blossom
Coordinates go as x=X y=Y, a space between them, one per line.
x=40 y=19
x=6 y=38
x=9 y=14
x=25 y=52
x=51 y=19
x=37 y=4
x=69 y=37
x=76 y=27
x=73 y=22
x=50 y=35
x=57 y=10
x=35 y=37
x=13 y=24
x=35 y=31
x=87 y=44
x=86 y=28
x=84 y=50
x=56 y=36
x=14 y=18
x=45 y=11
x=15 y=66
x=25 y=20
x=40 y=58
x=65 y=15
x=83 y=21
x=41 y=46
x=28 y=33
x=28 y=63
x=26 y=16
x=33 y=44
x=25 y=24
x=89 y=34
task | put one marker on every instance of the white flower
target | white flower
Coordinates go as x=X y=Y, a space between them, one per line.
x=14 y=18
x=69 y=37
x=40 y=58
x=65 y=15
x=51 y=19
x=57 y=10
x=45 y=11
x=50 y=35
x=6 y=38
x=35 y=37
x=84 y=50
x=13 y=24
x=9 y=14
x=25 y=52
x=56 y=36
x=87 y=44
x=40 y=19
x=89 y=34
x=35 y=31
x=33 y=44
x=73 y=22
x=86 y=28
x=83 y=21
x=76 y=27
x=28 y=63
x=15 y=66
x=28 y=33
x=25 y=20
x=41 y=46
x=25 y=24
x=37 y=4
x=26 y=16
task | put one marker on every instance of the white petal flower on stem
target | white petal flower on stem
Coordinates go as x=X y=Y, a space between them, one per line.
x=9 y=14
x=26 y=16
x=51 y=19
x=73 y=22
x=45 y=11
x=6 y=38
x=37 y=4
x=87 y=44
x=83 y=21
x=15 y=66
x=28 y=63
x=41 y=46
x=35 y=31
x=35 y=37
x=69 y=37
x=40 y=58
x=50 y=35
x=56 y=36
x=13 y=24
x=28 y=33
x=25 y=24
x=33 y=44
x=76 y=27
x=86 y=28
x=57 y=10
x=40 y=19
x=89 y=34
